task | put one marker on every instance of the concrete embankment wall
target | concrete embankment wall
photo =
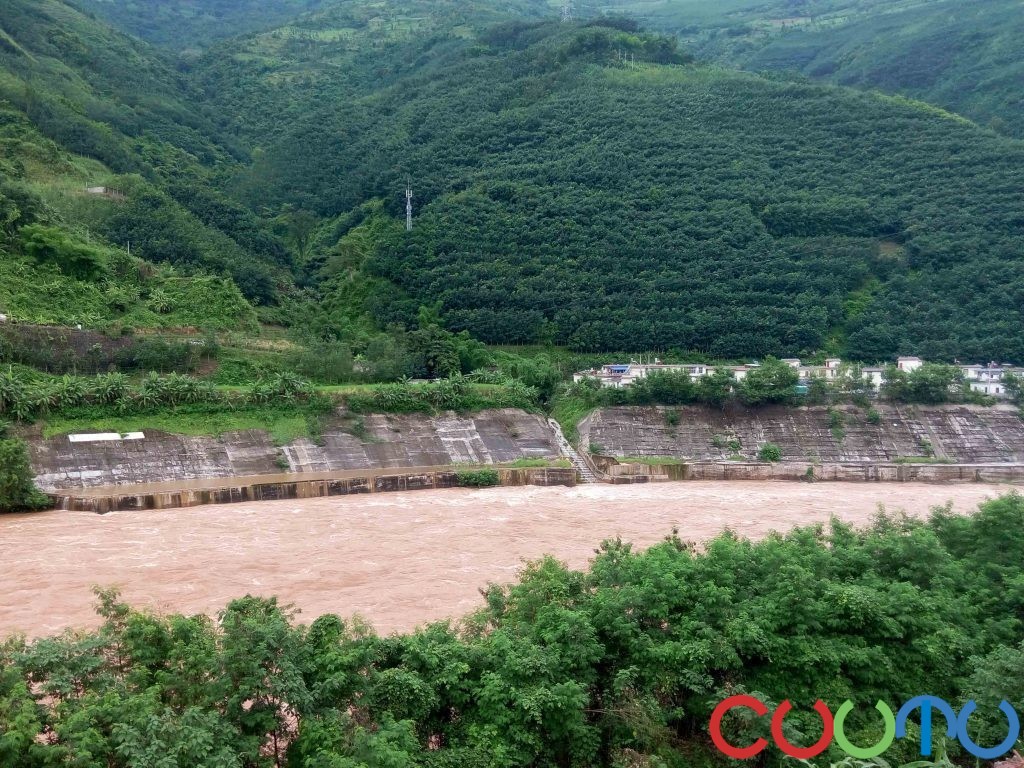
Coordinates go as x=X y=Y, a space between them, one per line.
x=296 y=488
x=371 y=442
x=829 y=471
x=959 y=434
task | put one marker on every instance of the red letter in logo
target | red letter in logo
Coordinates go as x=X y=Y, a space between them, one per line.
x=804 y=753
x=738 y=753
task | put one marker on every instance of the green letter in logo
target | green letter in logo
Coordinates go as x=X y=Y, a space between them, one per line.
x=865 y=753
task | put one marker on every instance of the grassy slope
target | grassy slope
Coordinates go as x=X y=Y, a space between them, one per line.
x=54 y=181
x=123 y=116
x=282 y=424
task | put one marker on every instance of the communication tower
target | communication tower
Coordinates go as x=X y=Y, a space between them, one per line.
x=408 y=206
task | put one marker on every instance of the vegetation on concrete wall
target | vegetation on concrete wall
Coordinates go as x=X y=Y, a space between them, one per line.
x=18 y=492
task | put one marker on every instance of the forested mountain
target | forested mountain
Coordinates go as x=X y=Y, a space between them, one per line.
x=184 y=24
x=964 y=56
x=588 y=184
x=565 y=193
x=85 y=106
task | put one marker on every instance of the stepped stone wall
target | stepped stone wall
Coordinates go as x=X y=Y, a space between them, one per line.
x=378 y=441
x=961 y=434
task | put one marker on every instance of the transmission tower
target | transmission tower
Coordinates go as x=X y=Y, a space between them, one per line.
x=408 y=206
x=567 y=10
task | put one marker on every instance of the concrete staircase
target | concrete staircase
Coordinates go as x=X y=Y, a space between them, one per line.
x=582 y=468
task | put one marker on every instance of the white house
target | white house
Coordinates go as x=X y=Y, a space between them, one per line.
x=626 y=374
x=989 y=379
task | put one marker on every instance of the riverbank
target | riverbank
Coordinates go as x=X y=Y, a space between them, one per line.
x=399 y=559
x=236 y=490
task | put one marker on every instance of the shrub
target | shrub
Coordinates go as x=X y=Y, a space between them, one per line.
x=453 y=394
x=17 y=487
x=770 y=452
x=772 y=382
x=477 y=478
x=160 y=355
x=595 y=448
x=873 y=416
x=835 y=419
x=55 y=246
x=325 y=362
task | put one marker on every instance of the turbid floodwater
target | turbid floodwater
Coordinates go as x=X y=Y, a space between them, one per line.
x=397 y=559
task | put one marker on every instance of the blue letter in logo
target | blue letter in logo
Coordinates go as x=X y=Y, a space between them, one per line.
x=926 y=703
x=993 y=752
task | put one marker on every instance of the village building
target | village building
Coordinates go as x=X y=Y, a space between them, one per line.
x=986 y=379
x=989 y=379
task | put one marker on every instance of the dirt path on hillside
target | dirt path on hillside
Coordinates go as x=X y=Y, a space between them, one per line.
x=398 y=559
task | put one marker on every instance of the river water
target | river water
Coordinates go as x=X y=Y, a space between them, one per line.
x=397 y=559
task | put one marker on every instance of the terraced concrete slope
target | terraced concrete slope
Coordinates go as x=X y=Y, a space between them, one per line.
x=378 y=442
x=962 y=434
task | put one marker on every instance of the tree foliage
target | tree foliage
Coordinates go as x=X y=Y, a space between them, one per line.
x=17 y=487
x=621 y=662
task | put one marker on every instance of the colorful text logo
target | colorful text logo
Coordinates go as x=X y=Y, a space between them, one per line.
x=832 y=728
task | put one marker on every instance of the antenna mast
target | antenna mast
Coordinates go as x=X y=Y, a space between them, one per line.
x=567 y=10
x=408 y=206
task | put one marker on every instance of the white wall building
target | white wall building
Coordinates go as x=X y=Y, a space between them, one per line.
x=986 y=379
x=989 y=379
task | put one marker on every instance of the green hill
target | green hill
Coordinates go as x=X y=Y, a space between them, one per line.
x=86 y=106
x=563 y=194
x=587 y=184
x=963 y=56
x=185 y=24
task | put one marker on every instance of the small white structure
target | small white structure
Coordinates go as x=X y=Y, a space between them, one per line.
x=909 y=364
x=625 y=374
x=108 y=192
x=873 y=374
x=3 y=318
x=105 y=437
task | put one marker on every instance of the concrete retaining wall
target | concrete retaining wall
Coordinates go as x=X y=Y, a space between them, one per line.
x=829 y=471
x=371 y=442
x=298 y=489
x=961 y=434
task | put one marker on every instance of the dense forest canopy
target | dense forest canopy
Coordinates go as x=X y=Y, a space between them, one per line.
x=563 y=193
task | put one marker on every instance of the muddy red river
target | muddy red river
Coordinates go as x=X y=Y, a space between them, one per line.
x=397 y=559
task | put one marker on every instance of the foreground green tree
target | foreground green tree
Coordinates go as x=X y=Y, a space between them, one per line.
x=17 y=486
x=772 y=382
